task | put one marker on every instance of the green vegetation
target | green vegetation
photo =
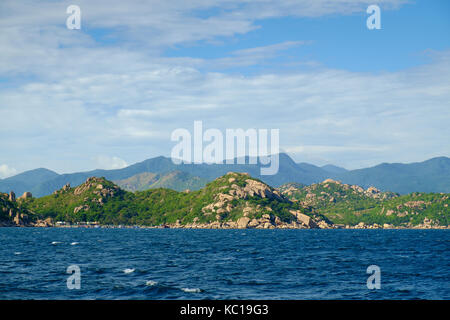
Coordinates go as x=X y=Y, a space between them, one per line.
x=5 y=206
x=102 y=201
x=228 y=199
x=350 y=205
x=12 y=210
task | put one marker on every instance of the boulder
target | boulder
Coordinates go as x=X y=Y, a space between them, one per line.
x=44 y=223
x=278 y=221
x=303 y=218
x=323 y=225
x=26 y=195
x=268 y=225
x=83 y=207
x=373 y=190
x=357 y=188
x=247 y=211
x=253 y=223
x=12 y=196
x=242 y=223
x=331 y=181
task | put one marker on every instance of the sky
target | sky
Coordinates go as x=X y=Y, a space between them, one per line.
x=111 y=93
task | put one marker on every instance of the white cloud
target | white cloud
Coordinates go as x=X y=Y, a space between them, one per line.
x=252 y=56
x=105 y=162
x=34 y=38
x=75 y=99
x=6 y=171
x=393 y=116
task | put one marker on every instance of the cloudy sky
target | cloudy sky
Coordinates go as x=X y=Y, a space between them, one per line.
x=110 y=94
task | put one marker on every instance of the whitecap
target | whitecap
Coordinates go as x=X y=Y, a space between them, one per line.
x=191 y=290
x=151 y=283
x=74 y=243
x=17 y=253
x=55 y=242
x=128 y=270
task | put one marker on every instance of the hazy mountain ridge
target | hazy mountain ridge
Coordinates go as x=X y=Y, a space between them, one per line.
x=333 y=169
x=429 y=176
x=175 y=180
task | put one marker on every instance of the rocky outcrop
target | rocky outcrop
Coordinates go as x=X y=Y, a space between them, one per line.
x=44 y=223
x=242 y=223
x=21 y=219
x=250 y=188
x=332 y=191
x=416 y=204
x=12 y=213
x=238 y=187
x=304 y=219
x=81 y=208
x=372 y=190
x=331 y=181
x=246 y=223
x=26 y=195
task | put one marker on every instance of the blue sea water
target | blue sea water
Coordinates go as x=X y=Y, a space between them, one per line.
x=223 y=264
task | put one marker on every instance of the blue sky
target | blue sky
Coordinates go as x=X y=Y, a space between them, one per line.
x=110 y=94
x=343 y=41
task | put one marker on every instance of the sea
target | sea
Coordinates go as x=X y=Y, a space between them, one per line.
x=157 y=264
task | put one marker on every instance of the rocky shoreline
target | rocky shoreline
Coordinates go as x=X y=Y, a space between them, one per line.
x=224 y=225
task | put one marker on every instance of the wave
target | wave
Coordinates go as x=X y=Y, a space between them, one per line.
x=128 y=270
x=151 y=283
x=191 y=290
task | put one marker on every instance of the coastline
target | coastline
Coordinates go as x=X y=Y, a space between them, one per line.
x=225 y=227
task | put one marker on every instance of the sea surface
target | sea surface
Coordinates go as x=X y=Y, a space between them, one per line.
x=223 y=264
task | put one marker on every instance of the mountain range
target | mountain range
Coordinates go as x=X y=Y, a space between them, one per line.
x=432 y=175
